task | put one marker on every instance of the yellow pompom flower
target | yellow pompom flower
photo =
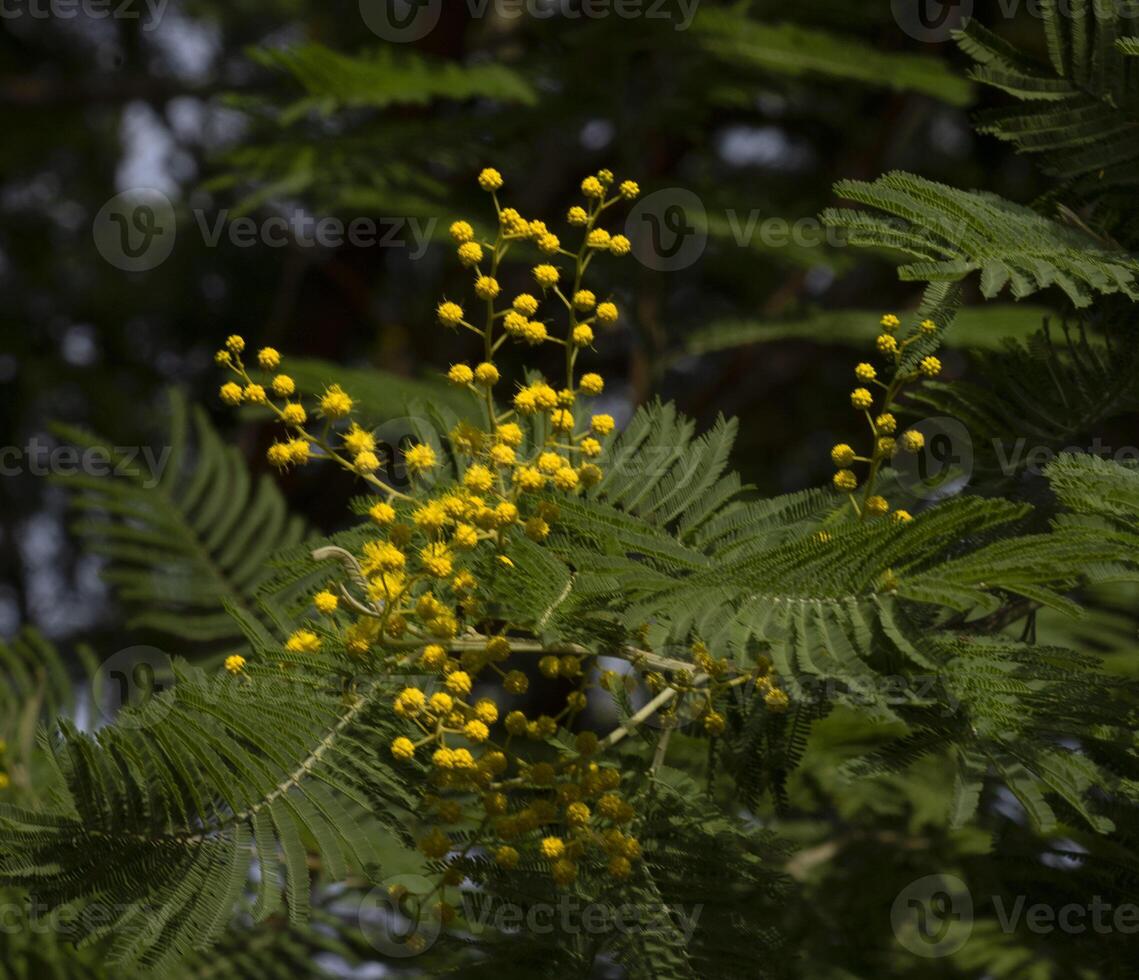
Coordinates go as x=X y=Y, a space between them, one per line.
x=607 y=312
x=486 y=374
x=629 y=189
x=619 y=245
x=283 y=386
x=582 y=335
x=589 y=474
x=419 y=458
x=449 y=314
x=529 y=479
x=566 y=479
x=598 y=238
x=577 y=216
x=502 y=455
x=591 y=187
x=486 y=287
x=278 y=455
x=254 y=394
x=403 y=748
x=269 y=359
x=460 y=374
x=550 y=462
x=230 y=393
x=592 y=383
x=776 y=701
x=294 y=414
x=865 y=372
x=885 y=423
x=436 y=560
x=842 y=455
x=911 y=441
x=490 y=179
x=223 y=357
x=382 y=556
x=358 y=440
x=876 y=505
x=515 y=682
x=466 y=537
x=927 y=327
x=901 y=517
x=486 y=711
x=366 y=462
x=602 y=424
x=930 y=367
x=470 y=254
x=461 y=231
x=303 y=641
x=409 y=702
x=886 y=344
x=478 y=478
x=458 y=682
x=476 y=731
x=590 y=446
x=548 y=243
x=325 y=602
x=552 y=847
x=525 y=304
x=506 y=857
x=714 y=723
x=846 y=481
x=584 y=300
x=235 y=343
x=890 y=322
x=335 y=403
x=546 y=276
x=235 y=663
x=510 y=433
x=382 y=512
x=562 y=420
x=861 y=398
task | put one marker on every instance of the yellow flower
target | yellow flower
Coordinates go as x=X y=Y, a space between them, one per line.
x=506 y=857
x=436 y=560
x=890 y=322
x=303 y=641
x=476 y=731
x=358 y=440
x=714 y=723
x=550 y=462
x=846 y=481
x=566 y=479
x=486 y=287
x=529 y=479
x=589 y=474
x=619 y=245
x=901 y=517
x=381 y=556
x=592 y=384
x=458 y=682
x=235 y=343
x=606 y=312
x=885 y=423
x=449 y=314
x=431 y=516
x=460 y=374
x=776 y=701
x=602 y=424
x=293 y=414
x=230 y=393
x=501 y=455
x=283 y=386
x=335 y=403
x=410 y=701
x=461 y=232
x=842 y=455
x=865 y=372
x=486 y=374
x=254 y=394
x=887 y=344
x=268 y=358
x=577 y=216
x=911 y=441
x=562 y=420
x=927 y=327
x=470 y=254
x=590 y=446
x=433 y=656
x=465 y=537
x=861 y=398
x=515 y=682
x=478 y=478
x=505 y=514
x=366 y=462
x=298 y=450
x=382 y=512
x=525 y=304
x=546 y=276
x=877 y=505
x=629 y=189
x=403 y=748
x=591 y=187
x=537 y=529
x=419 y=458
x=582 y=335
x=325 y=602
x=235 y=663
x=222 y=357
x=533 y=332
x=930 y=367
x=490 y=179
x=548 y=243
x=598 y=238
x=510 y=433
x=552 y=847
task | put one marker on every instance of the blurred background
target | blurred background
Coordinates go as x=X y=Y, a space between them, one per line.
x=736 y=120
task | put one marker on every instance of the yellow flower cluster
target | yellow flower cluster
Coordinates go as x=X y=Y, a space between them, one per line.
x=881 y=419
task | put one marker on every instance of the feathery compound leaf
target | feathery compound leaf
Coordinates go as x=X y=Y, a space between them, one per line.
x=185 y=537
x=953 y=233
